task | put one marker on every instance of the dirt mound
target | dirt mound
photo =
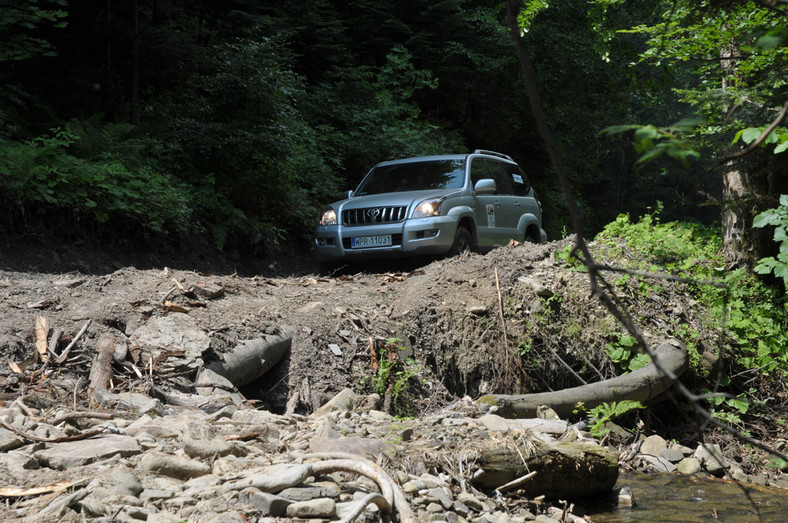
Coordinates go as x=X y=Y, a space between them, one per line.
x=511 y=321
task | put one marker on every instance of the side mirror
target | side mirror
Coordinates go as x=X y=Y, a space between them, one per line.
x=485 y=186
x=348 y=195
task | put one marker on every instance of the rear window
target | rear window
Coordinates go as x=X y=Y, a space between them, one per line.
x=414 y=176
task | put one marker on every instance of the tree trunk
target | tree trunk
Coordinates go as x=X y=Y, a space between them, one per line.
x=564 y=470
x=135 y=64
x=750 y=186
x=643 y=385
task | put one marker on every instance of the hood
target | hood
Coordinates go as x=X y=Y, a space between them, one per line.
x=390 y=199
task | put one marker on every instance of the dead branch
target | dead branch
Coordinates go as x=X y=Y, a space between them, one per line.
x=61 y=439
x=358 y=508
x=354 y=463
x=62 y=357
x=80 y=415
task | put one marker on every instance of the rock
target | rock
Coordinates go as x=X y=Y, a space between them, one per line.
x=67 y=455
x=316 y=508
x=536 y=286
x=201 y=448
x=625 y=497
x=344 y=401
x=174 y=333
x=368 y=447
x=470 y=500
x=711 y=459
x=116 y=481
x=688 y=466
x=265 y=503
x=309 y=493
x=9 y=440
x=653 y=445
x=657 y=463
x=173 y=466
x=494 y=423
x=673 y=455
x=273 y=479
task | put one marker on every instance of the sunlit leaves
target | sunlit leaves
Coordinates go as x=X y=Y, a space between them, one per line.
x=778 y=137
x=651 y=142
x=529 y=12
x=778 y=218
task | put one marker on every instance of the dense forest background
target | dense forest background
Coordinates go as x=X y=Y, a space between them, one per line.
x=236 y=121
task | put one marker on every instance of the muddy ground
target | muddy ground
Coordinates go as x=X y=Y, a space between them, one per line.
x=513 y=320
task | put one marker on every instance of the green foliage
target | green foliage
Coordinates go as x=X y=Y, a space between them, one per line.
x=394 y=376
x=652 y=142
x=50 y=172
x=532 y=8
x=245 y=139
x=368 y=114
x=19 y=21
x=727 y=60
x=753 y=313
x=777 y=137
x=778 y=218
x=605 y=412
x=623 y=352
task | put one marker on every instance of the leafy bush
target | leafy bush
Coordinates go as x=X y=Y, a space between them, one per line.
x=47 y=174
x=778 y=218
x=752 y=312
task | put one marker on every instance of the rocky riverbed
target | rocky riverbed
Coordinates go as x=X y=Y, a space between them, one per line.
x=141 y=459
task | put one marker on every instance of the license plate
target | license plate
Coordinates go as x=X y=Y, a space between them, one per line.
x=370 y=241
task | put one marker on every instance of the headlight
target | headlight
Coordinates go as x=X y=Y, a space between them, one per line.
x=428 y=208
x=329 y=217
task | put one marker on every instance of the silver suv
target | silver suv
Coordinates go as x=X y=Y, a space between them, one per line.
x=432 y=205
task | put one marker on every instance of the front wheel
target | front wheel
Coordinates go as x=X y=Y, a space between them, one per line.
x=463 y=242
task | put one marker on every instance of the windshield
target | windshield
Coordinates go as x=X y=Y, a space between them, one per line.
x=414 y=176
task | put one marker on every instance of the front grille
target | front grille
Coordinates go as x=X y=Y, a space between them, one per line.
x=396 y=240
x=373 y=215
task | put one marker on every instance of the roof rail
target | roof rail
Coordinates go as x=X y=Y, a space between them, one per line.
x=493 y=153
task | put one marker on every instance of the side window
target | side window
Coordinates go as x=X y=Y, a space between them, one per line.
x=478 y=171
x=500 y=173
x=519 y=180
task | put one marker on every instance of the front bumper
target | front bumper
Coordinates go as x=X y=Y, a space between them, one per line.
x=419 y=237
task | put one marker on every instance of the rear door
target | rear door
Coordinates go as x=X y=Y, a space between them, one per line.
x=494 y=215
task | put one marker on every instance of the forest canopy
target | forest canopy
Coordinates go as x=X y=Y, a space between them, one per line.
x=237 y=121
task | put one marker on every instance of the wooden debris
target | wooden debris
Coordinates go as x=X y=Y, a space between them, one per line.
x=16 y=492
x=101 y=371
x=174 y=307
x=62 y=357
x=643 y=385
x=42 y=333
x=61 y=439
x=566 y=469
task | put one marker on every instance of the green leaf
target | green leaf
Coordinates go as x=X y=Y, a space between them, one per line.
x=647 y=132
x=750 y=134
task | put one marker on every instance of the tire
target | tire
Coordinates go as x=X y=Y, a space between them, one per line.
x=463 y=242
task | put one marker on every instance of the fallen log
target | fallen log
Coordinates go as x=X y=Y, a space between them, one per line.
x=569 y=470
x=642 y=385
x=250 y=360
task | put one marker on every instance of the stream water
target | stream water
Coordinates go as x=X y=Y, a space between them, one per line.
x=674 y=498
